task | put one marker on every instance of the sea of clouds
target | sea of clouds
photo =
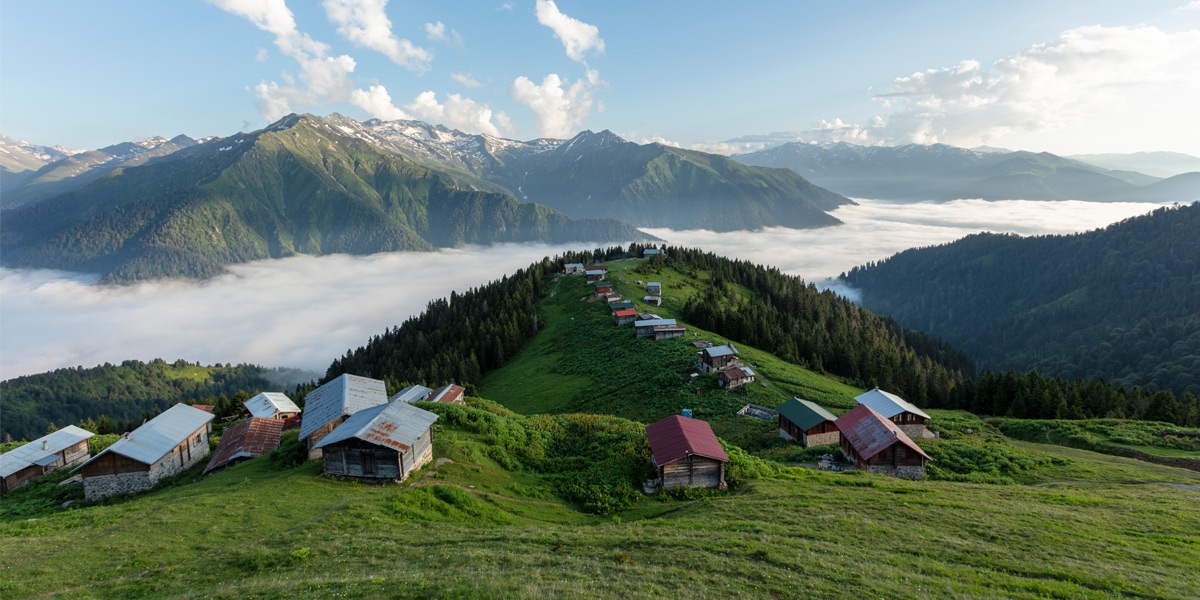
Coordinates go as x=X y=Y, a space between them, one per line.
x=303 y=312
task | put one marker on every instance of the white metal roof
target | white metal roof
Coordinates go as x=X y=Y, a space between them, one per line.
x=888 y=405
x=654 y=322
x=158 y=436
x=396 y=425
x=412 y=393
x=596 y=272
x=345 y=395
x=725 y=350
x=269 y=404
x=576 y=265
x=650 y=251
x=33 y=453
x=654 y=284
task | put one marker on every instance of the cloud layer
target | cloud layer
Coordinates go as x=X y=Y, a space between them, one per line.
x=302 y=312
x=460 y=113
x=365 y=23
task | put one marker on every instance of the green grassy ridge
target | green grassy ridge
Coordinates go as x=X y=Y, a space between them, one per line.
x=474 y=528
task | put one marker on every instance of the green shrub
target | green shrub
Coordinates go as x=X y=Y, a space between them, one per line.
x=292 y=452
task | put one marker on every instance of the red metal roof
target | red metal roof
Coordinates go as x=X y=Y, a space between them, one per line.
x=450 y=394
x=291 y=423
x=629 y=312
x=204 y=407
x=869 y=433
x=249 y=439
x=597 y=268
x=677 y=437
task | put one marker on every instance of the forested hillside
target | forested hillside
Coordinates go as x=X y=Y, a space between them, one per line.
x=1120 y=303
x=297 y=187
x=123 y=395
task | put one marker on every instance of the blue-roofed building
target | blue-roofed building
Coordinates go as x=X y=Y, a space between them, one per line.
x=327 y=406
x=412 y=393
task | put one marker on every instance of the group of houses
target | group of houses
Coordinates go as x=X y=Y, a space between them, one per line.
x=349 y=422
x=624 y=312
x=724 y=362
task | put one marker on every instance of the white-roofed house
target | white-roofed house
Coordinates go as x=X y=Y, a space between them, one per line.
x=645 y=327
x=648 y=252
x=910 y=419
x=161 y=447
x=654 y=288
x=717 y=358
x=271 y=405
x=381 y=443
x=412 y=393
x=327 y=406
x=63 y=448
x=573 y=268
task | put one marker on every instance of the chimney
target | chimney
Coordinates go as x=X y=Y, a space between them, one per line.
x=45 y=444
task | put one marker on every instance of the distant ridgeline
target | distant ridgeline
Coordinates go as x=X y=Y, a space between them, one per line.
x=116 y=398
x=1120 y=303
x=461 y=338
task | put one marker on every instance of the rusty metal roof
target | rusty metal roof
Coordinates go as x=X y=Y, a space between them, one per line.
x=345 y=395
x=871 y=433
x=25 y=456
x=736 y=373
x=888 y=405
x=159 y=436
x=269 y=404
x=448 y=394
x=395 y=425
x=629 y=312
x=251 y=438
x=677 y=437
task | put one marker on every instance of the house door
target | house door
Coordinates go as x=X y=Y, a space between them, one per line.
x=368 y=458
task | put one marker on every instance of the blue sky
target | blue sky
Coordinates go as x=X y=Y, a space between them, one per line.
x=1074 y=76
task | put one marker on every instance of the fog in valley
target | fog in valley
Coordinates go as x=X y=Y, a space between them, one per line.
x=302 y=312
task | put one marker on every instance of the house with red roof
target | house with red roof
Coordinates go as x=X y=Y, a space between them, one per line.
x=448 y=394
x=686 y=452
x=877 y=445
x=625 y=317
x=251 y=438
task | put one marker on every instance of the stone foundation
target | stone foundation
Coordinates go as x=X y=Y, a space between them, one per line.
x=822 y=439
x=103 y=486
x=905 y=472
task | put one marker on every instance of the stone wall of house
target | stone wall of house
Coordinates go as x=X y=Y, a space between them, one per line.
x=917 y=431
x=904 y=472
x=821 y=439
x=103 y=486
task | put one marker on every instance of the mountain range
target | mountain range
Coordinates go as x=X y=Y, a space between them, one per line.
x=300 y=186
x=941 y=172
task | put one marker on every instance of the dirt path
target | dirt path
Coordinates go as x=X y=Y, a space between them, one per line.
x=1191 y=487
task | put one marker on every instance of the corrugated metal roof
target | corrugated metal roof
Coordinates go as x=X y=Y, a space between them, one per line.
x=803 y=413
x=888 y=405
x=629 y=312
x=269 y=404
x=736 y=373
x=395 y=425
x=24 y=456
x=158 y=436
x=595 y=272
x=412 y=393
x=573 y=265
x=650 y=251
x=598 y=267
x=251 y=438
x=654 y=284
x=345 y=395
x=871 y=433
x=448 y=394
x=725 y=350
x=676 y=436
x=654 y=322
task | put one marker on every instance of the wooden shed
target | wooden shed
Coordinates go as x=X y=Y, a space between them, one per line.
x=63 y=448
x=666 y=332
x=251 y=438
x=654 y=288
x=717 y=358
x=910 y=419
x=622 y=305
x=807 y=423
x=593 y=275
x=329 y=405
x=161 y=447
x=573 y=268
x=734 y=377
x=603 y=287
x=645 y=327
x=877 y=445
x=686 y=452
x=380 y=444
x=271 y=405
x=449 y=394
x=625 y=317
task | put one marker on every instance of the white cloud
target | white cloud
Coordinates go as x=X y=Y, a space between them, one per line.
x=459 y=113
x=365 y=23
x=262 y=55
x=577 y=37
x=558 y=110
x=438 y=32
x=466 y=79
x=507 y=6
x=1089 y=77
x=655 y=138
x=376 y=101
x=1193 y=5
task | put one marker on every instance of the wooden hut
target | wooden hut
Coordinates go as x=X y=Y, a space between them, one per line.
x=163 y=446
x=381 y=443
x=271 y=405
x=652 y=300
x=685 y=452
x=807 y=423
x=666 y=332
x=625 y=317
x=649 y=252
x=573 y=268
x=252 y=438
x=594 y=275
x=603 y=287
x=645 y=327
x=734 y=377
x=65 y=447
x=910 y=419
x=654 y=288
x=717 y=358
x=877 y=445
x=622 y=305
x=327 y=406
x=449 y=394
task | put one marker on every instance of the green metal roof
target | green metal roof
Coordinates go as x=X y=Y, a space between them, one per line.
x=803 y=413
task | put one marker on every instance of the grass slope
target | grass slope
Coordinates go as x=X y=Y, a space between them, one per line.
x=472 y=528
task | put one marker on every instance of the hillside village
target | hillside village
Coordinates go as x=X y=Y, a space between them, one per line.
x=360 y=433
